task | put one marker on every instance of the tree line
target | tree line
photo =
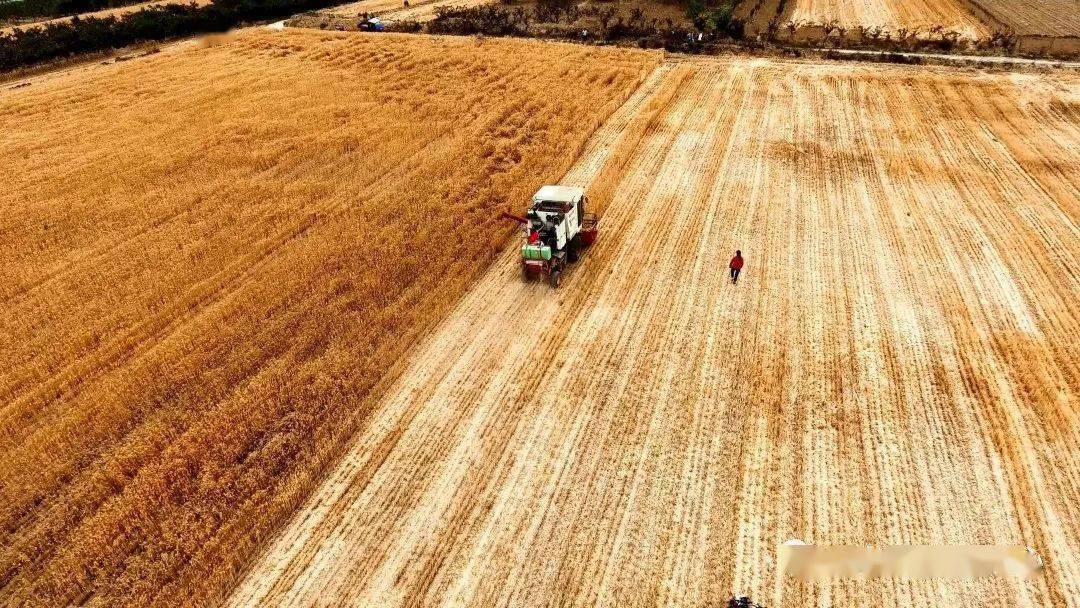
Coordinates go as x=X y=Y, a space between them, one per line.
x=31 y=45
x=36 y=9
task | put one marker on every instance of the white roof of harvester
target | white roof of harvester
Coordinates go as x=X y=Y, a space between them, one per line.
x=559 y=194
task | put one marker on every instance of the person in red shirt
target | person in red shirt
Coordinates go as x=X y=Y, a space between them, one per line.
x=736 y=267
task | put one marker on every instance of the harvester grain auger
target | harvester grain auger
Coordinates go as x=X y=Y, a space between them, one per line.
x=557 y=230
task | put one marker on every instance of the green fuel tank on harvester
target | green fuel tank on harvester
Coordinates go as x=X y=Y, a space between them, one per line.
x=536 y=253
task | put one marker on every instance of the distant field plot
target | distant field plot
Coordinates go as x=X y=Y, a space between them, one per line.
x=212 y=259
x=891 y=15
x=1042 y=26
x=1035 y=17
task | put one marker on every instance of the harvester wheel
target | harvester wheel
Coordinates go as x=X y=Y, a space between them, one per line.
x=573 y=250
x=525 y=274
x=556 y=277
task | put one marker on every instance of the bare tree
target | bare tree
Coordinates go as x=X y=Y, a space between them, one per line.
x=605 y=15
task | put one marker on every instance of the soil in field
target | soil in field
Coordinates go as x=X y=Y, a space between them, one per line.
x=897 y=364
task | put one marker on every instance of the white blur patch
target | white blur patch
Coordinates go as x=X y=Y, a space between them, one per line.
x=956 y=562
x=212 y=40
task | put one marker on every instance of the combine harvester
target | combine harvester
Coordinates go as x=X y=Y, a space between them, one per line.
x=557 y=229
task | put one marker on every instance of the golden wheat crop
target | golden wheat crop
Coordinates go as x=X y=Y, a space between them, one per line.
x=210 y=262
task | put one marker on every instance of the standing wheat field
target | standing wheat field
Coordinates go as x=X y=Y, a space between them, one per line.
x=211 y=263
x=896 y=366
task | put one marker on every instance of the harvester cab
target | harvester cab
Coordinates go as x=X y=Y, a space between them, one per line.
x=371 y=24
x=557 y=229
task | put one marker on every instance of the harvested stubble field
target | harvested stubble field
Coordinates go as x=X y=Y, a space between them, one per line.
x=212 y=260
x=897 y=366
x=891 y=15
x=1041 y=27
x=1035 y=17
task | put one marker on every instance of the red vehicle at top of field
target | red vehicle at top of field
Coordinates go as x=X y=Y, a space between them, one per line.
x=557 y=229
